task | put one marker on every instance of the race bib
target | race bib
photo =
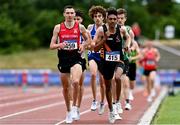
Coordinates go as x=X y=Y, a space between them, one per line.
x=113 y=56
x=71 y=45
x=92 y=52
x=150 y=62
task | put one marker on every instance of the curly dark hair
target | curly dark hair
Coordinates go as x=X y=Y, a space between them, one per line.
x=95 y=9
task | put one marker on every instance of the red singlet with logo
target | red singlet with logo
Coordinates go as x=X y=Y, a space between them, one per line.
x=70 y=36
x=149 y=60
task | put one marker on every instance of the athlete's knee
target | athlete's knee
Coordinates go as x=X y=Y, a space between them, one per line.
x=123 y=77
x=126 y=85
x=108 y=88
x=75 y=83
x=65 y=89
x=118 y=76
x=152 y=75
x=101 y=84
x=93 y=75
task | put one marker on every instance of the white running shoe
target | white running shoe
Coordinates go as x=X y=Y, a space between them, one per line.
x=94 y=105
x=153 y=92
x=101 y=108
x=117 y=117
x=69 y=118
x=111 y=117
x=114 y=108
x=128 y=106
x=78 y=114
x=149 y=98
x=119 y=108
x=74 y=112
x=131 y=97
x=115 y=112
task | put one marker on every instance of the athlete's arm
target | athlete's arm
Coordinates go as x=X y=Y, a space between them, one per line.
x=99 y=39
x=131 y=33
x=54 y=44
x=86 y=37
x=127 y=36
x=157 y=55
x=137 y=50
x=90 y=26
x=143 y=51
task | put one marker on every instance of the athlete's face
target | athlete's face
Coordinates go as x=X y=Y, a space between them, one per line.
x=98 y=18
x=78 y=19
x=121 y=19
x=69 y=14
x=112 y=20
x=149 y=44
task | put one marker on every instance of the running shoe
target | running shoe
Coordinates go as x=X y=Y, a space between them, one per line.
x=101 y=108
x=74 y=112
x=128 y=106
x=149 y=98
x=94 y=105
x=68 y=119
x=131 y=97
x=115 y=112
x=119 y=107
x=78 y=114
x=153 y=92
x=111 y=117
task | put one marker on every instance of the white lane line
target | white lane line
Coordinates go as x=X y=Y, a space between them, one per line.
x=28 y=100
x=17 y=96
x=26 y=95
x=31 y=110
x=38 y=108
x=167 y=48
x=151 y=111
x=8 y=92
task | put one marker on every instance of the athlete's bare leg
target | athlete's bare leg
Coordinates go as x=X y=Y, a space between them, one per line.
x=93 y=70
x=118 y=74
x=102 y=87
x=81 y=90
x=113 y=89
x=65 y=85
x=76 y=72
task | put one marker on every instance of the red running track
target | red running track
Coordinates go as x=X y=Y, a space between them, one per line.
x=37 y=106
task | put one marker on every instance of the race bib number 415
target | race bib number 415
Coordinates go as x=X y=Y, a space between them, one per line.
x=70 y=45
x=113 y=56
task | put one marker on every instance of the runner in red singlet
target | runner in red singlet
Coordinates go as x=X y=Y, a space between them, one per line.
x=151 y=57
x=66 y=39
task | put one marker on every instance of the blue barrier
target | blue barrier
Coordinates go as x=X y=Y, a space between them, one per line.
x=41 y=76
x=54 y=78
x=10 y=79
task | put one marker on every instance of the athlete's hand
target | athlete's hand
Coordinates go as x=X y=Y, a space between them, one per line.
x=62 y=45
x=130 y=59
x=92 y=45
x=157 y=60
x=81 y=48
x=126 y=49
x=106 y=35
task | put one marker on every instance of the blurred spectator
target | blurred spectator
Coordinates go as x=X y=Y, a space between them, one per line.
x=137 y=31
